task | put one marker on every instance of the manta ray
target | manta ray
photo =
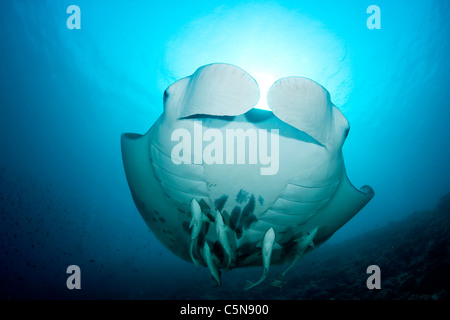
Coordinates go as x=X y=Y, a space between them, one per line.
x=229 y=215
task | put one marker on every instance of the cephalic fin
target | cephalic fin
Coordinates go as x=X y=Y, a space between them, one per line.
x=217 y=89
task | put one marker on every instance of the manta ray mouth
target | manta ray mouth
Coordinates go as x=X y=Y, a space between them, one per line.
x=255 y=116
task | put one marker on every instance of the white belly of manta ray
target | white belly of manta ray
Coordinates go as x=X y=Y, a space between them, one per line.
x=223 y=185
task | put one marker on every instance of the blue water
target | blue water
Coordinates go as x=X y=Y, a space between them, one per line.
x=66 y=96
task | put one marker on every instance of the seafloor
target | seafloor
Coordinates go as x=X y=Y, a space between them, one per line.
x=413 y=256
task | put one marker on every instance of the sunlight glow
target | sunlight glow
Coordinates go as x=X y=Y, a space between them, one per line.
x=265 y=81
x=267 y=41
